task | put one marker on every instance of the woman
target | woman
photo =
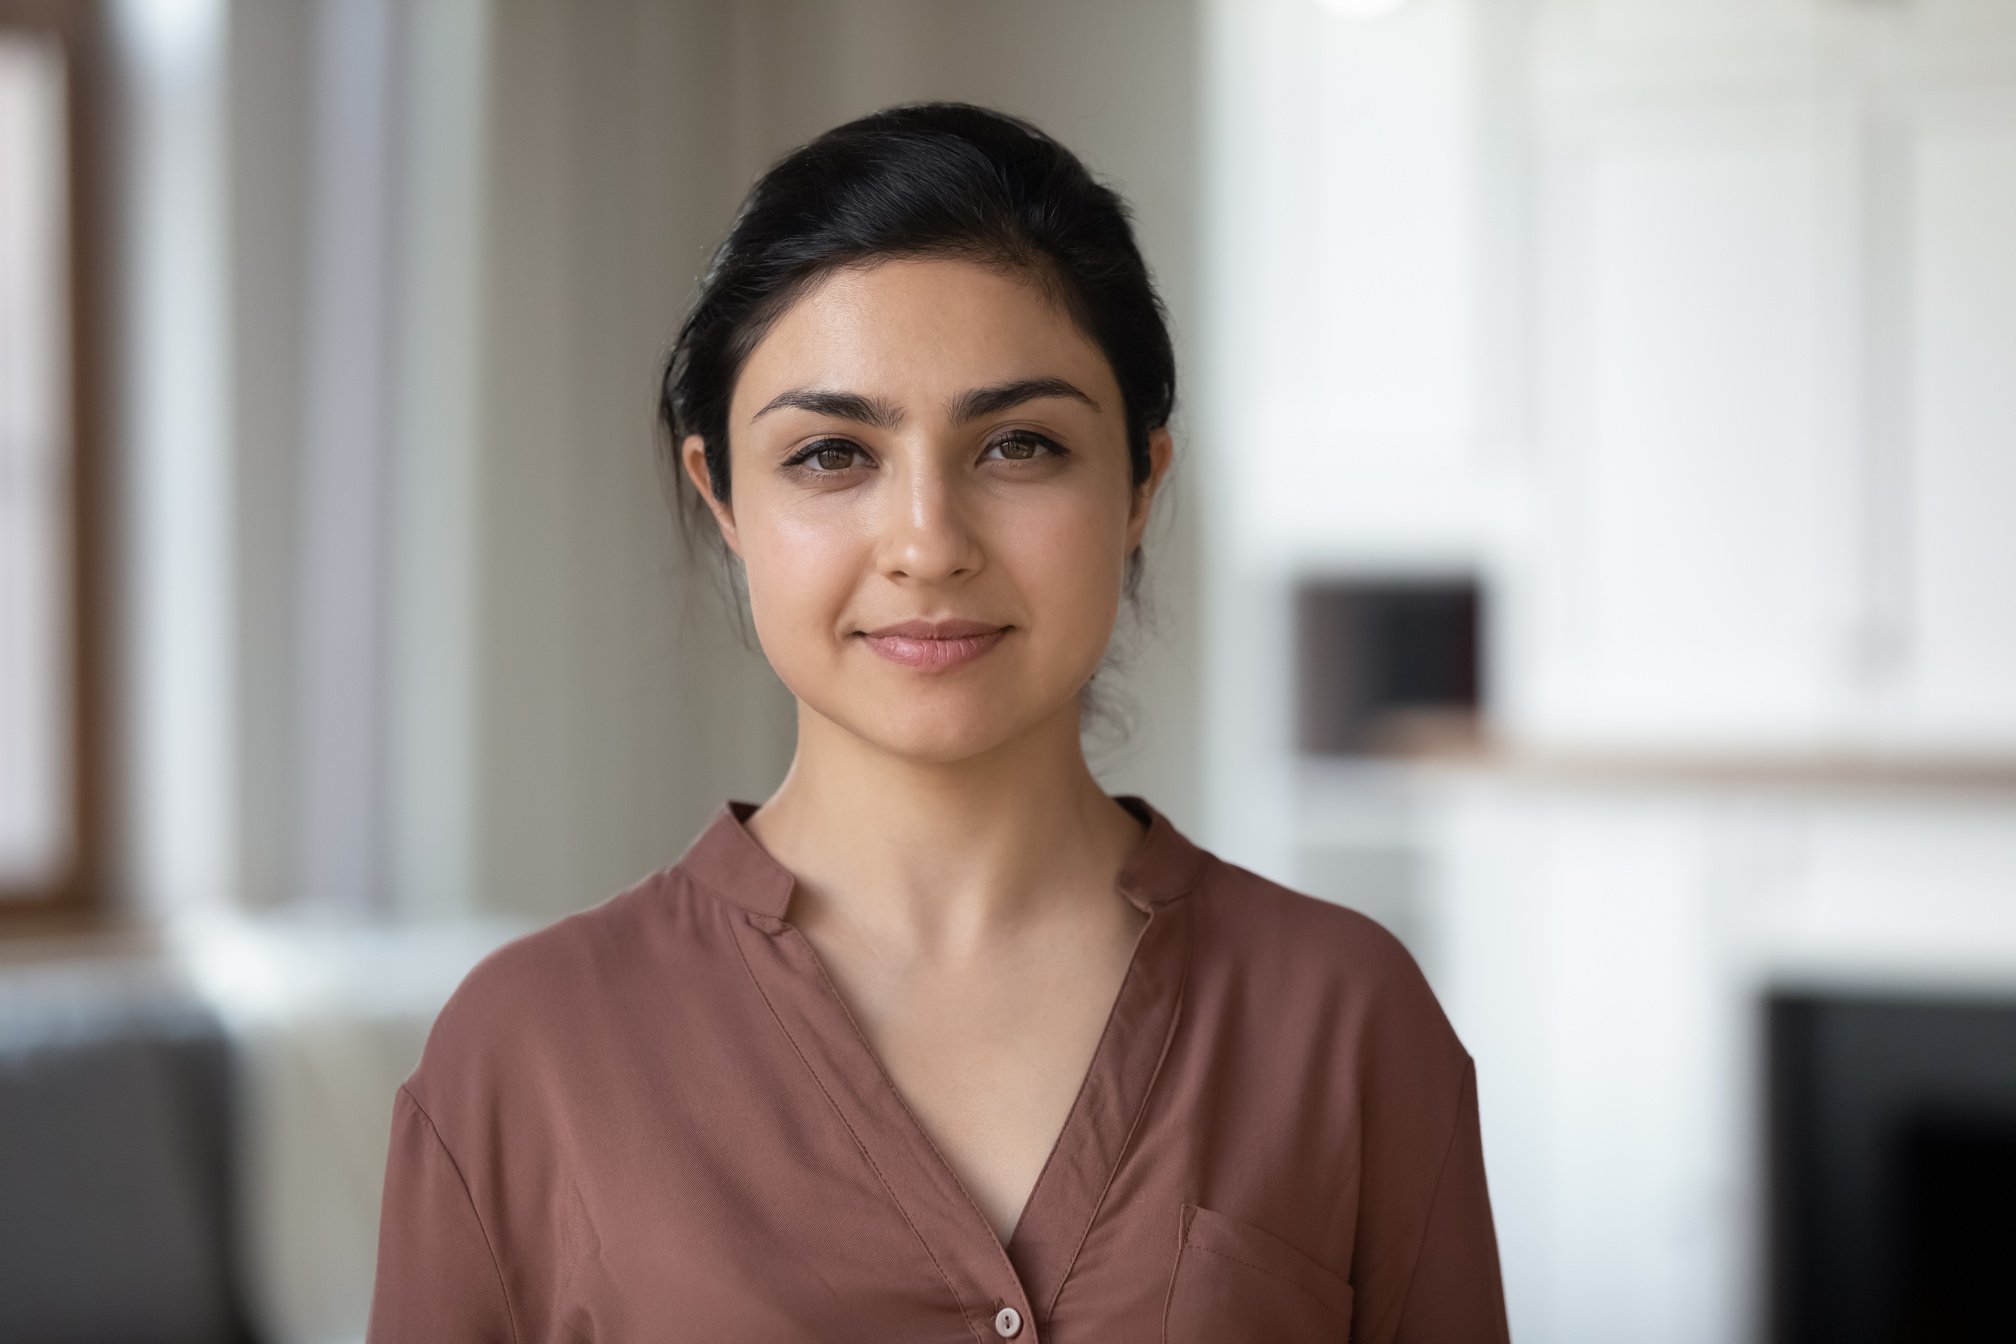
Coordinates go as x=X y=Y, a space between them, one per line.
x=941 y=1041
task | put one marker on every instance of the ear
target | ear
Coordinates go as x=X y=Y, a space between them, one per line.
x=1161 y=451
x=693 y=457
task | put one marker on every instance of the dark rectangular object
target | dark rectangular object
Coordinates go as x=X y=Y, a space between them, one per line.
x=1892 y=1160
x=1380 y=656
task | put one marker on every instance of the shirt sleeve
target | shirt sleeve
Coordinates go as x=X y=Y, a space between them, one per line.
x=1456 y=1293
x=437 y=1275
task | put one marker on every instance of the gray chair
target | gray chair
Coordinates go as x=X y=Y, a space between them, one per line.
x=116 y=1205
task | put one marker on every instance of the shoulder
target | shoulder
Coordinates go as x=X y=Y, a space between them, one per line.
x=1316 y=956
x=543 y=993
x=541 y=970
x=1268 y=917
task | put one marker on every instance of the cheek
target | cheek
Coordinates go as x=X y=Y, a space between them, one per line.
x=1085 y=527
x=801 y=573
x=1070 y=554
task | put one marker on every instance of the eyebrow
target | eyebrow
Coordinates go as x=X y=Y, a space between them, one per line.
x=968 y=405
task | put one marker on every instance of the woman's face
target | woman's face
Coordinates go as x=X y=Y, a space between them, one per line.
x=930 y=440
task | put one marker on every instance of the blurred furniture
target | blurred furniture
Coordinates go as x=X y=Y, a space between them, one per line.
x=326 y=1017
x=1615 y=950
x=192 y=1137
x=116 y=1132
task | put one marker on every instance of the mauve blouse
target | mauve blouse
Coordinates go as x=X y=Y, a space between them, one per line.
x=656 y=1120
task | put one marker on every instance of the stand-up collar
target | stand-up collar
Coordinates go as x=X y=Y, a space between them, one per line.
x=731 y=864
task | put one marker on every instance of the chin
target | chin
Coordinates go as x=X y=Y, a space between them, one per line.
x=939 y=735
x=947 y=743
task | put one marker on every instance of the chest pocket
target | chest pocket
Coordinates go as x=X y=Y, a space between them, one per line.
x=1236 y=1283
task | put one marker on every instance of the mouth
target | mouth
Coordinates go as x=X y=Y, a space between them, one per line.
x=951 y=628
x=935 y=652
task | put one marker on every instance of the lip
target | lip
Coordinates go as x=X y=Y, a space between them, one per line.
x=946 y=629
x=932 y=646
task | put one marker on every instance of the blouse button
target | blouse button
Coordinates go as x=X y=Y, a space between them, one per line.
x=1007 y=1322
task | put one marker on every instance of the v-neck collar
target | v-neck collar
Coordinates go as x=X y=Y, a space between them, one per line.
x=730 y=864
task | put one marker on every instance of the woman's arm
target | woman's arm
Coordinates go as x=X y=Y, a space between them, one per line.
x=1448 y=1290
x=1454 y=1292
x=438 y=1276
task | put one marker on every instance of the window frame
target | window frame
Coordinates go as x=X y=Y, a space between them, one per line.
x=77 y=899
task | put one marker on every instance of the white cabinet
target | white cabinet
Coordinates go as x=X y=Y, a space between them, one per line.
x=1948 y=280
x=1694 y=579
x=1688 y=325
x=1352 y=277
x=1774 y=324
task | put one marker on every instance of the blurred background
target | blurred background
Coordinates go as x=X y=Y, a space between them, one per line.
x=1592 y=554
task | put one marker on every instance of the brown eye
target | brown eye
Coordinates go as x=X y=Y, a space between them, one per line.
x=824 y=451
x=1026 y=446
x=825 y=457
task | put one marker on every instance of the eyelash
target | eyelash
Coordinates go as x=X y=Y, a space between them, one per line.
x=818 y=446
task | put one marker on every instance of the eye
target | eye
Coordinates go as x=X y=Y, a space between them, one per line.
x=820 y=448
x=1035 y=444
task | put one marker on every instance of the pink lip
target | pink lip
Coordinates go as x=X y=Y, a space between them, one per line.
x=933 y=655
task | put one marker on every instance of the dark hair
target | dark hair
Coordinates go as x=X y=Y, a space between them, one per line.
x=929 y=179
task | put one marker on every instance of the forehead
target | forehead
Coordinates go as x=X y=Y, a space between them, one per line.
x=916 y=330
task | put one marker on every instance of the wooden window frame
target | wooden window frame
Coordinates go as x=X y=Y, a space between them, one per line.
x=77 y=899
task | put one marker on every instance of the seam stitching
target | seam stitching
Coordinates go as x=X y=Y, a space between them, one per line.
x=1276 y=1274
x=866 y=1155
x=1187 y=933
x=1399 y=1304
x=503 y=1290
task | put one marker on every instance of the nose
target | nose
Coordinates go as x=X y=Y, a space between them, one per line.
x=927 y=530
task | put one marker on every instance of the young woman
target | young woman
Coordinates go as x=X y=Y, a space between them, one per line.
x=941 y=1041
